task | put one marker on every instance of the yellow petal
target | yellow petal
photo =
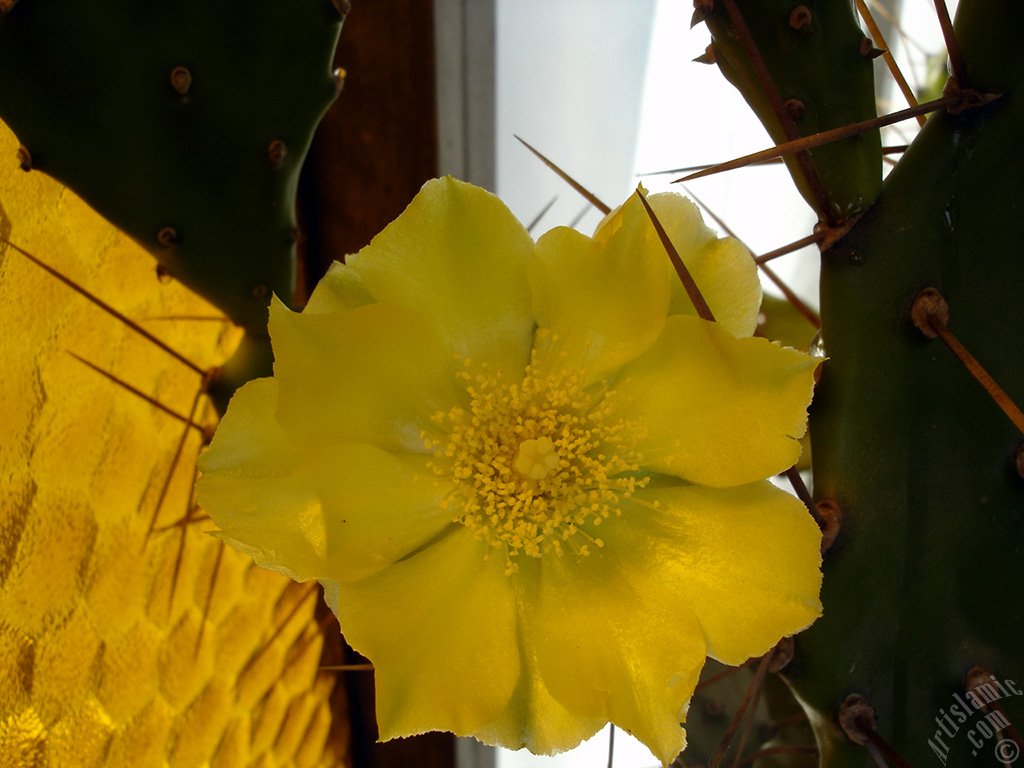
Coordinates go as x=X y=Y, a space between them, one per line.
x=610 y=647
x=342 y=512
x=744 y=560
x=598 y=305
x=722 y=268
x=440 y=629
x=340 y=289
x=457 y=255
x=534 y=719
x=377 y=507
x=716 y=410
x=248 y=439
x=250 y=444
x=372 y=375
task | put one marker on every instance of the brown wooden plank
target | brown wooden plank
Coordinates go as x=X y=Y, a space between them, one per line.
x=377 y=144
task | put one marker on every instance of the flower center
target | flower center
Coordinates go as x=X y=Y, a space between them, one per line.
x=535 y=463
x=537 y=458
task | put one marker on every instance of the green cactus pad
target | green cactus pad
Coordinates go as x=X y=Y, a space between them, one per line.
x=813 y=55
x=923 y=583
x=184 y=124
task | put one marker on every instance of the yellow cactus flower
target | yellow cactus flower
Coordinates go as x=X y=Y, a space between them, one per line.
x=530 y=479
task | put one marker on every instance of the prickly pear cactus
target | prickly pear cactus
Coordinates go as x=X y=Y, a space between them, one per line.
x=121 y=646
x=185 y=125
x=918 y=658
x=129 y=636
x=803 y=70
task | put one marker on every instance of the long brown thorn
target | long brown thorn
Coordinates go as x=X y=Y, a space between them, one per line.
x=890 y=62
x=753 y=691
x=778 y=107
x=751 y=712
x=591 y=198
x=875 y=740
x=858 y=721
x=893 y=150
x=721 y=675
x=792 y=298
x=811 y=239
x=174 y=463
x=825 y=137
x=800 y=489
x=692 y=291
x=135 y=391
x=106 y=307
x=930 y=314
x=956 y=60
x=976 y=370
x=785 y=749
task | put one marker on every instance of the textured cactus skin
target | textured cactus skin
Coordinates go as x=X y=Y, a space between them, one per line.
x=822 y=67
x=87 y=89
x=923 y=582
x=99 y=666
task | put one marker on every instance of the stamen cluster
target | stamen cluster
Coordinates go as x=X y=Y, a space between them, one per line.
x=535 y=461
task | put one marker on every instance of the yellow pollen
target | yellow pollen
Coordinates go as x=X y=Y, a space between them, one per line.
x=535 y=463
x=537 y=458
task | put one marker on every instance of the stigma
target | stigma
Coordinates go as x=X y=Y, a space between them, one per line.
x=537 y=459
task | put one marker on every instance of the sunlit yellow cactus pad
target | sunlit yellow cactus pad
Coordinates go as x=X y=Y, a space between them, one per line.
x=530 y=479
x=99 y=665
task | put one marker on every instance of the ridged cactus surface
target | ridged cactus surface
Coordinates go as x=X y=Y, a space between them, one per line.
x=101 y=667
